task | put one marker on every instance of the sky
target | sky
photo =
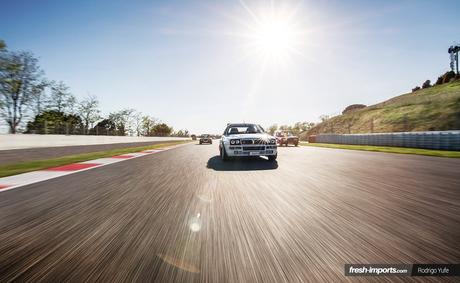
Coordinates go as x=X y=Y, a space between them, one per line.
x=199 y=65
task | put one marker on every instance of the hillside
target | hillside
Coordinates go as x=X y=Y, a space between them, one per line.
x=431 y=109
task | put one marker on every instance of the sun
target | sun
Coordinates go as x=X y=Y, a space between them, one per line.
x=274 y=37
x=274 y=33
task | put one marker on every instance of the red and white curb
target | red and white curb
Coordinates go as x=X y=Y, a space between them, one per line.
x=16 y=181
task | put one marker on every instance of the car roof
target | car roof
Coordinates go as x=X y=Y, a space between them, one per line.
x=240 y=124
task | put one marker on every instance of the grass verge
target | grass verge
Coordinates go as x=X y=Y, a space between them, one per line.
x=389 y=149
x=28 y=166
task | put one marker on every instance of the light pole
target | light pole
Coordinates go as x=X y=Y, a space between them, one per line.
x=453 y=51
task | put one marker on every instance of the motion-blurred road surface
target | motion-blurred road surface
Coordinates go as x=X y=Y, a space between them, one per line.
x=184 y=216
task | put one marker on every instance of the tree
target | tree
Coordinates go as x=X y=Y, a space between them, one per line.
x=89 y=112
x=301 y=127
x=284 y=128
x=161 y=130
x=272 y=129
x=19 y=76
x=54 y=122
x=415 y=89
x=121 y=119
x=324 y=118
x=62 y=100
x=448 y=76
x=3 y=66
x=147 y=124
x=181 y=133
x=439 y=80
x=137 y=119
x=426 y=84
x=104 y=127
x=39 y=97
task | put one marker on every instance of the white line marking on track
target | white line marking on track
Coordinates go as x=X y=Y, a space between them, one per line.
x=20 y=180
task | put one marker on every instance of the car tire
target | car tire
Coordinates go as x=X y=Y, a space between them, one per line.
x=223 y=154
x=296 y=144
x=272 y=157
x=210 y=142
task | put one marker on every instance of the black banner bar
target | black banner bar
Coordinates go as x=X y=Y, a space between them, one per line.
x=360 y=269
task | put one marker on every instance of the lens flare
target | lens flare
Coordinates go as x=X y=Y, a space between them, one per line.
x=274 y=33
x=274 y=37
x=195 y=223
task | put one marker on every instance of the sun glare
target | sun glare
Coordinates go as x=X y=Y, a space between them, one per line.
x=274 y=32
x=274 y=38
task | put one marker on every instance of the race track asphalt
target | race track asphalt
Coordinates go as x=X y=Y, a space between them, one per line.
x=184 y=216
x=13 y=156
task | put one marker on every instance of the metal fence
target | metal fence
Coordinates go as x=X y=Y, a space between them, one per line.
x=445 y=140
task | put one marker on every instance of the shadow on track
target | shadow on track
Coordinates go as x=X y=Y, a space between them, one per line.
x=241 y=164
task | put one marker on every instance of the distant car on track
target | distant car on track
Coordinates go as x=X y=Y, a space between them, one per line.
x=286 y=138
x=205 y=139
x=244 y=139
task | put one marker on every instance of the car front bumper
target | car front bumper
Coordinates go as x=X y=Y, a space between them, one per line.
x=235 y=151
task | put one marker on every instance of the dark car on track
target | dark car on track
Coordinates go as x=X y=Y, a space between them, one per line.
x=205 y=139
x=286 y=138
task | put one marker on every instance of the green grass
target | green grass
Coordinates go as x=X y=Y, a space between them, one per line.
x=433 y=109
x=389 y=149
x=28 y=166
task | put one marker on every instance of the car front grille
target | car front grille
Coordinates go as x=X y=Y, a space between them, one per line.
x=253 y=147
x=253 y=141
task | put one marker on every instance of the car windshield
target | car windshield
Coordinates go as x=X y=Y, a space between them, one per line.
x=243 y=129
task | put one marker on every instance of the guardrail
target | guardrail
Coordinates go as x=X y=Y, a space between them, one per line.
x=445 y=140
x=18 y=141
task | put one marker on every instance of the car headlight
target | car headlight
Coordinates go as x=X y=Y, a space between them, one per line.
x=272 y=141
x=234 y=141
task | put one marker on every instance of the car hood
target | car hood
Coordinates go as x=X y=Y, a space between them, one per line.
x=250 y=136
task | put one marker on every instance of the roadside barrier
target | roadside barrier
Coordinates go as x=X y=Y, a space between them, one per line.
x=445 y=140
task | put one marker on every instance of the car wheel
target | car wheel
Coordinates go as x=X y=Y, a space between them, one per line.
x=272 y=157
x=210 y=142
x=296 y=144
x=223 y=154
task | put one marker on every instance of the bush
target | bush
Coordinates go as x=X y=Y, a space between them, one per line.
x=415 y=89
x=353 y=107
x=439 y=80
x=55 y=122
x=448 y=76
x=161 y=130
x=426 y=84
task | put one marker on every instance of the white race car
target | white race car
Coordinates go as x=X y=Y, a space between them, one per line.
x=247 y=140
